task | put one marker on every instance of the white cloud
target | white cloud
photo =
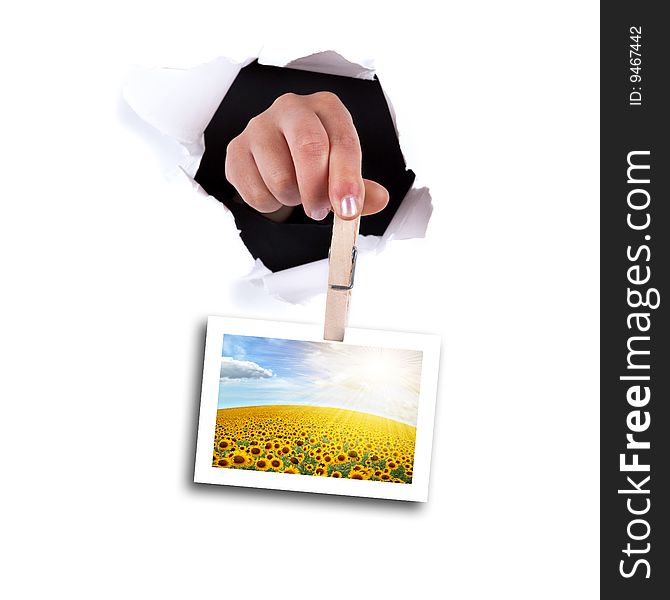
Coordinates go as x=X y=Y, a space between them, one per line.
x=242 y=369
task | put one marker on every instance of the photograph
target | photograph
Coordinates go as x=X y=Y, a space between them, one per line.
x=313 y=409
x=317 y=408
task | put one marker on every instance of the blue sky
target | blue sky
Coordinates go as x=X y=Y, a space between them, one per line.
x=258 y=371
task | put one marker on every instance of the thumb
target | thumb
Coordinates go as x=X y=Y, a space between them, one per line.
x=376 y=197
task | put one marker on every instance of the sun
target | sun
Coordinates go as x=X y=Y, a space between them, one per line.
x=382 y=381
x=384 y=368
x=378 y=366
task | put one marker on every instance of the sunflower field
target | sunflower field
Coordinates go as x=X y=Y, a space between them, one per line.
x=316 y=441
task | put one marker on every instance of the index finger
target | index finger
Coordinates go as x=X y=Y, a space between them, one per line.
x=345 y=181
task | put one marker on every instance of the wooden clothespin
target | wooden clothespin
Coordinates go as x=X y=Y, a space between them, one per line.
x=341 y=269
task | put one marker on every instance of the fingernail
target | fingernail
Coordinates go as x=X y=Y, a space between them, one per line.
x=349 y=206
x=320 y=214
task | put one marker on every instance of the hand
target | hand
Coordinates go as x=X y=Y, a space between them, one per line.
x=303 y=150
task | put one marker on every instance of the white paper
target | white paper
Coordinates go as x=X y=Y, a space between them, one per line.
x=331 y=63
x=180 y=103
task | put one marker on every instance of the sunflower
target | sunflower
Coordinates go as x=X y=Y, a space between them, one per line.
x=240 y=459
x=308 y=440
x=224 y=444
x=336 y=474
x=222 y=462
x=292 y=471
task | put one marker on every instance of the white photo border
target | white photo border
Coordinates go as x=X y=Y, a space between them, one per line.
x=417 y=491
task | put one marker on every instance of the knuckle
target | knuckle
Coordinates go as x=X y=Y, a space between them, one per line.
x=259 y=200
x=312 y=146
x=234 y=152
x=285 y=100
x=281 y=183
x=234 y=147
x=345 y=139
x=327 y=98
x=229 y=170
x=254 y=125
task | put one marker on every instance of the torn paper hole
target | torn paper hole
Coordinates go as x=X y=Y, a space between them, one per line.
x=180 y=103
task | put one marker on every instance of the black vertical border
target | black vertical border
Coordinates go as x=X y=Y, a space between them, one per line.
x=626 y=128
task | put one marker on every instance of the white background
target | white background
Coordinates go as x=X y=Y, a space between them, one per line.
x=110 y=266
